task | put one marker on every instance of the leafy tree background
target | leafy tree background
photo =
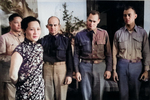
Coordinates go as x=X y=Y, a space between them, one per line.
x=72 y=24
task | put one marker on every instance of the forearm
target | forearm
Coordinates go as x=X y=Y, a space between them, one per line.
x=108 y=54
x=16 y=61
x=115 y=50
x=13 y=79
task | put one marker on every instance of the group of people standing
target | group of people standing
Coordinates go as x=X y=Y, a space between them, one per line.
x=51 y=58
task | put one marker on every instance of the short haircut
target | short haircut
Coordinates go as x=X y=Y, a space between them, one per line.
x=130 y=7
x=94 y=12
x=27 y=20
x=11 y=17
x=54 y=17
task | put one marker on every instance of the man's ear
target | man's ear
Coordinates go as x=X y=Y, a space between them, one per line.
x=135 y=16
x=9 y=23
x=99 y=21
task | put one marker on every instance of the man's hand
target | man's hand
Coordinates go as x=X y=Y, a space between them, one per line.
x=115 y=76
x=107 y=74
x=68 y=80
x=144 y=76
x=78 y=76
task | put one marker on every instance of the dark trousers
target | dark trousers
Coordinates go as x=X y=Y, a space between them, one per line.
x=92 y=84
x=129 y=83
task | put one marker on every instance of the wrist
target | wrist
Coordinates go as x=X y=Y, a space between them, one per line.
x=114 y=70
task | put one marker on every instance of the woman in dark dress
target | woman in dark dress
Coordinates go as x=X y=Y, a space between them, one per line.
x=27 y=62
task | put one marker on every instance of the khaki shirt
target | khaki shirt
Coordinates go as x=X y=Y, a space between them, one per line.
x=8 y=42
x=131 y=46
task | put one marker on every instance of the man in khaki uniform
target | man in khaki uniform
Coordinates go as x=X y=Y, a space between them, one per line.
x=8 y=43
x=130 y=56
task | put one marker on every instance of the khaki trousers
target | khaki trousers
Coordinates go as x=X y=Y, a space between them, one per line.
x=54 y=77
x=7 y=89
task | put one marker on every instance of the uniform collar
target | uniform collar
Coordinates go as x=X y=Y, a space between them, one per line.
x=135 y=28
x=16 y=35
x=93 y=31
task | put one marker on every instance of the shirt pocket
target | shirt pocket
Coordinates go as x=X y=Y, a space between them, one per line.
x=122 y=42
x=100 y=45
x=86 y=46
x=10 y=48
x=61 y=53
x=138 y=42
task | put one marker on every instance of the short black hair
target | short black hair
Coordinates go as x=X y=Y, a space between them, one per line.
x=27 y=20
x=94 y=12
x=11 y=17
x=130 y=7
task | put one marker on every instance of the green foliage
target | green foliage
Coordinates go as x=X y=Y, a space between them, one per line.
x=72 y=24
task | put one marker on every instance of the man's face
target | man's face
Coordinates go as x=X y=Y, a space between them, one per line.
x=129 y=16
x=53 y=26
x=15 y=24
x=92 y=21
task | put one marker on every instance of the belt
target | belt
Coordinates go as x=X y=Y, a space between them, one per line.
x=92 y=61
x=57 y=63
x=132 y=61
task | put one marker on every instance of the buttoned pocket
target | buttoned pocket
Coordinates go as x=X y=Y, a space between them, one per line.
x=86 y=46
x=100 y=45
x=138 y=42
x=10 y=48
x=122 y=44
x=61 y=53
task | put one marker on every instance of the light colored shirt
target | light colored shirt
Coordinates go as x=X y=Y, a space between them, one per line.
x=8 y=42
x=131 y=46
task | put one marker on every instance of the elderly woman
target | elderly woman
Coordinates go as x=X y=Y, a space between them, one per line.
x=27 y=62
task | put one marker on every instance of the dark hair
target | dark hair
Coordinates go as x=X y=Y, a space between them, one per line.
x=11 y=17
x=129 y=7
x=94 y=12
x=27 y=20
x=54 y=17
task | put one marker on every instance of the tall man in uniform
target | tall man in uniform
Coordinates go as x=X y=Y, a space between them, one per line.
x=8 y=43
x=92 y=46
x=130 y=55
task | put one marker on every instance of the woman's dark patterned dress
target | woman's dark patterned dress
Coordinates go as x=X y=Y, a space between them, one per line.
x=30 y=85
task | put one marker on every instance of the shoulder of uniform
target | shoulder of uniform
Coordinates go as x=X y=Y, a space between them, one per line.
x=100 y=29
x=63 y=36
x=84 y=30
x=5 y=35
x=140 y=27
